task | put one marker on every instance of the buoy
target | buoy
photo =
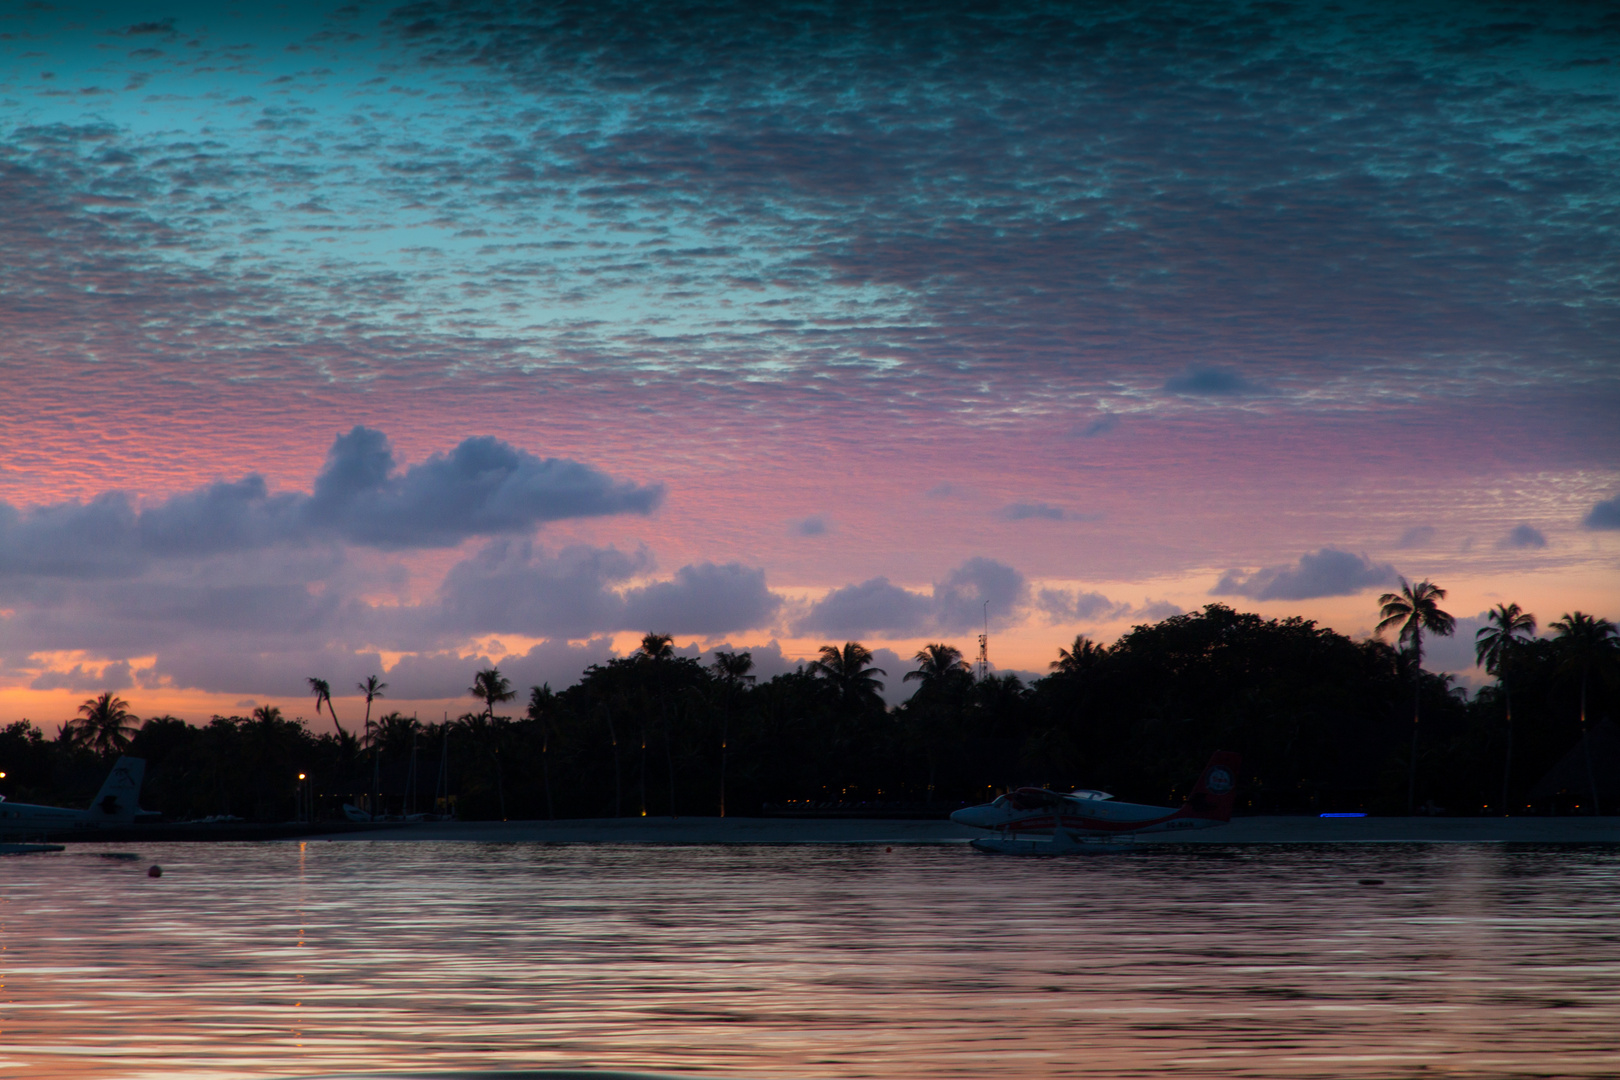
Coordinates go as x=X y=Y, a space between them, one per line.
x=154 y=871
x=1371 y=881
x=889 y=849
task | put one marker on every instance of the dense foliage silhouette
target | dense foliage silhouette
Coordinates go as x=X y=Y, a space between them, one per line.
x=1323 y=723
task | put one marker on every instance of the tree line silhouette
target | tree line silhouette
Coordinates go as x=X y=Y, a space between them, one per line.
x=1323 y=722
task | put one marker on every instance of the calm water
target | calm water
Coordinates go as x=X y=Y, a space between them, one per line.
x=293 y=960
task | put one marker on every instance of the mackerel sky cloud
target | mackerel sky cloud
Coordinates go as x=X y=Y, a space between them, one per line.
x=381 y=338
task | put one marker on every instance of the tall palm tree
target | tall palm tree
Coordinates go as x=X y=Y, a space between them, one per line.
x=373 y=688
x=323 y=695
x=658 y=650
x=1413 y=610
x=1495 y=645
x=937 y=665
x=542 y=702
x=850 y=670
x=493 y=688
x=1083 y=655
x=945 y=679
x=732 y=668
x=104 y=725
x=1586 y=642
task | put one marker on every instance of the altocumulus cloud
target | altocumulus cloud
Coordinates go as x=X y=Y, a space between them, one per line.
x=1328 y=572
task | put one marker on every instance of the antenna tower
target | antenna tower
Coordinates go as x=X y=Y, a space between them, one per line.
x=982 y=671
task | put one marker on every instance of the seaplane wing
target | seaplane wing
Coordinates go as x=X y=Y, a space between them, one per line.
x=117 y=803
x=1087 y=821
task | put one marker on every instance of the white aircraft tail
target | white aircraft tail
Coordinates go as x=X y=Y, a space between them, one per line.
x=118 y=801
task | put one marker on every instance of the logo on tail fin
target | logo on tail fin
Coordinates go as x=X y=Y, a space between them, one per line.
x=1219 y=782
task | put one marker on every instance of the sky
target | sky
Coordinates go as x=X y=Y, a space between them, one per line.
x=368 y=339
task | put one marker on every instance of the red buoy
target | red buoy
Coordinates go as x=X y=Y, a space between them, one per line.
x=154 y=871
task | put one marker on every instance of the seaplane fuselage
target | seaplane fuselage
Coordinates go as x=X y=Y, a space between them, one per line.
x=1070 y=816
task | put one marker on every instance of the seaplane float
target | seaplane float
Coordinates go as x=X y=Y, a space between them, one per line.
x=1039 y=821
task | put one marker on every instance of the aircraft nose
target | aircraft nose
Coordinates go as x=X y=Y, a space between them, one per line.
x=965 y=816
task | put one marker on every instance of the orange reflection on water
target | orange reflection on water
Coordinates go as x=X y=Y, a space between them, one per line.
x=278 y=960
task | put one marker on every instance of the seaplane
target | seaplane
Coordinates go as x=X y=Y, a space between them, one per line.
x=117 y=803
x=1087 y=822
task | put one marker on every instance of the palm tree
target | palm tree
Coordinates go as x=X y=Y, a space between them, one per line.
x=493 y=688
x=542 y=702
x=1495 y=645
x=1586 y=642
x=1414 y=609
x=732 y=668
x=104 y=725
x=1083 y=655
x=323 y=695
x=850 y=670
x=945 y=676
x=658 y=650
x=938 y=664
x=372 y=688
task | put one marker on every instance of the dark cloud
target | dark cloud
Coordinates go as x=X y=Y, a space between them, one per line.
x=1062 y=606
x=1210 y=382
x=1102 y=425
x=702 y=599
x=1024 y=511
x=1328 y=572
x=1523 y=536
x=484 y=487
x=114 y=676
x=1603 y=515
x=96 y=539
x=811 y=526
x=236 y=666
x=520 y=588
x=960 y=599
x=1416 y=536
x=955 y=604
x=874 y=606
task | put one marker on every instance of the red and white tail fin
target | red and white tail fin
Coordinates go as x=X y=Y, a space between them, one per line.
x=1211 y=797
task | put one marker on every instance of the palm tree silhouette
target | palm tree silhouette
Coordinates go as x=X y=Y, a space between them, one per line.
x=1586 y=642
x=542 y=703
x=493 y=688
x=1083 y=655
x=850 y=670
x=732 y=669
x=944 y=676
x=937 y=664
x=1495 y=646
x=372 y=688
x=323 y=695
x=104 y=725
x=1414 y=609
x=658 y=650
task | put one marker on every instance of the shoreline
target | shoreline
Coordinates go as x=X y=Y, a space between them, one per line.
x=862 y=831
x=733 y=831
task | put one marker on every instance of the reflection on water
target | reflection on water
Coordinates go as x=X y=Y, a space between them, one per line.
x=283 y=960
